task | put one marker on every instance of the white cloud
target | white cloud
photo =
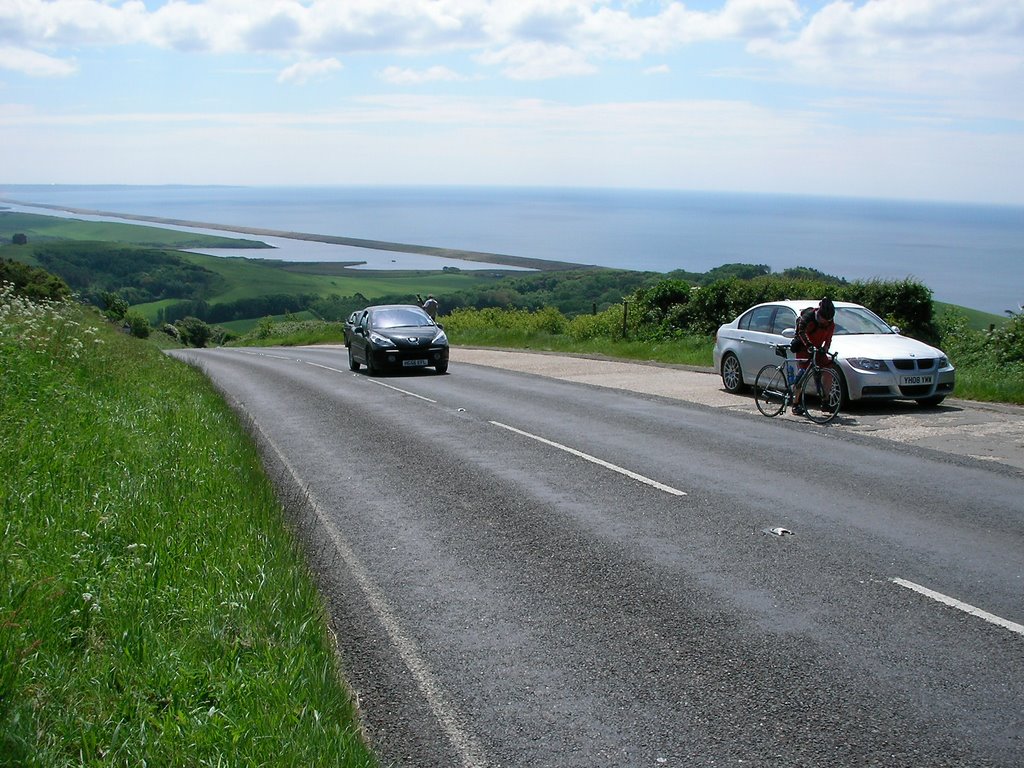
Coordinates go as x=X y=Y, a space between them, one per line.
x=400 y=76
x=35 y=64
x=577 y=33
x=538 y=61
x=302 y=72
x=660 y=69
x=933 y=45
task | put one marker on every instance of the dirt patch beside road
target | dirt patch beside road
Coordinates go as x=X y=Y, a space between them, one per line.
x=985 y=431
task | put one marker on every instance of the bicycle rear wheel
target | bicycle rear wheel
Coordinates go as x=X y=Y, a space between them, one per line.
x=770 y=390
x=828 y=393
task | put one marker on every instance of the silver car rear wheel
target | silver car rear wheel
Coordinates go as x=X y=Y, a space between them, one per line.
x=732 y=374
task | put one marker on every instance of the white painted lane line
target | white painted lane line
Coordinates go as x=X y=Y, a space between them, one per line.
x=991 y=618
x=594 y=459
x=339 y=370
x=398 y=389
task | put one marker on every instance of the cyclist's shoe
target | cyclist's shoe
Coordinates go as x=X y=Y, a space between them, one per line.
x=798 y=410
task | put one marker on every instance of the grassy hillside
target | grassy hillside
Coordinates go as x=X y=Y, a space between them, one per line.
x=154 y=609
x=88 y=255
x=976 y=319
x=247 y=278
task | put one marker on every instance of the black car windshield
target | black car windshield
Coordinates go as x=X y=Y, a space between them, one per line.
x=400 y=317
x=855 y=320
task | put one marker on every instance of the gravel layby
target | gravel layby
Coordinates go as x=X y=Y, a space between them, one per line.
x=989 y=432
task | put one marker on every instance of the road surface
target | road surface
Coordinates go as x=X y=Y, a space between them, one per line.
x=528 y=570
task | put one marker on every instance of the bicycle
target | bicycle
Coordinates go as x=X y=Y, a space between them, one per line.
x=776 y=386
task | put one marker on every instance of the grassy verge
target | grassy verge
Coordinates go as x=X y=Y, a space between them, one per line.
x=153 y=607
x=690 y=350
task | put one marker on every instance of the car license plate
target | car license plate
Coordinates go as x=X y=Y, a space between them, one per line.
x=910 y=381
x=413 y=363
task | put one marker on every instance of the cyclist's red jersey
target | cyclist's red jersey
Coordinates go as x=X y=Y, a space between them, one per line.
x=811 y=333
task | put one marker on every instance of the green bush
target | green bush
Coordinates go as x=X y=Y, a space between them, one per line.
x=138 y=325
x=31 y=282
x=194 y=331
x=604 y=325
x=671 y=306
x=547 y=320
x=1008 y=340
x=114 y=305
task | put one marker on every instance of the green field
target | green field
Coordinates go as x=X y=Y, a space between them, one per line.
x=44 y=228
x=240 y=278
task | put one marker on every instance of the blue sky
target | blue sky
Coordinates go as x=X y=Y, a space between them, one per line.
x=917 y=99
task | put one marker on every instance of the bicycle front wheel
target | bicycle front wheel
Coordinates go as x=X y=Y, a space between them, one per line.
x=829 y=394
x=770 y=390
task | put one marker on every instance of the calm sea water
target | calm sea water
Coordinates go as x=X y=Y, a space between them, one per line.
x=969 y=255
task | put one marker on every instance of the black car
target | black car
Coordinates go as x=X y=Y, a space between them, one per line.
x=350 y=325
x=397 y=337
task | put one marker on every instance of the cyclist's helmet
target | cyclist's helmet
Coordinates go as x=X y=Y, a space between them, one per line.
x=827 y=309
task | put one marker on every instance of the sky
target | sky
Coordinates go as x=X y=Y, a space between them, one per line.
x=906 y=99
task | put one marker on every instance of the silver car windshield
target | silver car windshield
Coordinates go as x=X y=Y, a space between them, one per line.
x=857 y=320
x=400 y=318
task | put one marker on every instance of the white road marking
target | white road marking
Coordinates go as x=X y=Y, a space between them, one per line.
x=447 y=714
x=339 y=370
x=398 y=389
x=962 y=606
x=594 y=459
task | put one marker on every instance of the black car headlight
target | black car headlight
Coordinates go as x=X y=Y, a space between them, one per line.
x=440 y=338
x=867 y=364
x=380 y=341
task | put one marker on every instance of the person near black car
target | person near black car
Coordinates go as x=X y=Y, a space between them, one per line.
x=429 y=306
x=814 y=329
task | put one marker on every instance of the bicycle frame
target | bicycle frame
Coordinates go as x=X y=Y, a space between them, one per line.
x=773 y=391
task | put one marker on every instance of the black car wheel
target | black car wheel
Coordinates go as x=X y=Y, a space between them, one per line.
x=353 y=364
x=732 y=374
x=441 y=367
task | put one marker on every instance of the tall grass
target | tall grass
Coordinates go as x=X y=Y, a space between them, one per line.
x=153 y=608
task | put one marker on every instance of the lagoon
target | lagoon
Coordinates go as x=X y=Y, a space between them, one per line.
x=967 y=254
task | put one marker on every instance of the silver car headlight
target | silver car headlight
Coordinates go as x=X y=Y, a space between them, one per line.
x=943 y=362
x=867 y=364
x=380 y=341
x=440 y=338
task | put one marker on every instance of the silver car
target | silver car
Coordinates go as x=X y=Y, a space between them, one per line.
x=876 y=362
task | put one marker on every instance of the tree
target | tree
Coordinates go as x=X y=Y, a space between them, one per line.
x=114 y=305
x=20 y=238
x=194 y=331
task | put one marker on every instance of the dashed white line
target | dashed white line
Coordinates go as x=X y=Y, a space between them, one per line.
x=595 y=460
x=399 y=389
x=952 y=602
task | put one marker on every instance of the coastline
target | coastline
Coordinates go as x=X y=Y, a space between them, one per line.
x=542 y=265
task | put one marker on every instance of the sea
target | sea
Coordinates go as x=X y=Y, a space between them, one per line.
x=972 y=255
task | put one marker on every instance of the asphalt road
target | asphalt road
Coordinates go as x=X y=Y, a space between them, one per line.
x=554 y=570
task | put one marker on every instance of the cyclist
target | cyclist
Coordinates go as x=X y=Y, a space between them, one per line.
x=814 y=329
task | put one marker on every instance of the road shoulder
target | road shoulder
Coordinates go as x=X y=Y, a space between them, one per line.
x=989 y=432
